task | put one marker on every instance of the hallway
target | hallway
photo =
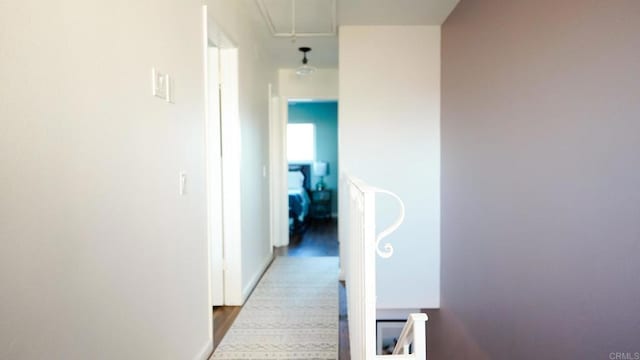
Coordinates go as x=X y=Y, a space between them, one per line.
x=319 y=240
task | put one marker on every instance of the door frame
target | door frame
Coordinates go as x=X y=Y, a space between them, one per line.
x=279 y=167
x=224 y=246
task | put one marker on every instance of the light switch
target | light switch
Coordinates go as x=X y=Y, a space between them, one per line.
x=160 y=84
x=169 y=88
x=183 y=184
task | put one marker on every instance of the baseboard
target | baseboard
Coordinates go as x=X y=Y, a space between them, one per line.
x=256 y=278
x=206 y=352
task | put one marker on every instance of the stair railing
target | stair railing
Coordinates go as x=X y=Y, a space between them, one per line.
x=360 y=274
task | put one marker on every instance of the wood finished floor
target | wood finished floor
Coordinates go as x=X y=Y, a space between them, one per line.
x=320 y=239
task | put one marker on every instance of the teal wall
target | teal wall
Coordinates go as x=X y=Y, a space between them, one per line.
x=325 y=116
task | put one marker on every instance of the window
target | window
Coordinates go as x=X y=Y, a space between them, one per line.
x=301 y=142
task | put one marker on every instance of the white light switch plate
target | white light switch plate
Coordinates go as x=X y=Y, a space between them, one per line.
x=160 y=84
x=169 y=89
x=183 y=184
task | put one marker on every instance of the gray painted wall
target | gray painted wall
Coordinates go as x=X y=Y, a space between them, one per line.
x=540 y=181
x=325 y=116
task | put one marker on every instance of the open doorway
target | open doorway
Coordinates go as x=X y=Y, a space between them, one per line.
x=312 y=177
x=222 y=139
x=213 y=140
x=222 y=155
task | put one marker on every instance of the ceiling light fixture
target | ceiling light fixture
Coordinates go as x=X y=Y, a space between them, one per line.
x=305 y=70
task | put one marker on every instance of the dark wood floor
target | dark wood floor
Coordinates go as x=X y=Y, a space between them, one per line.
x=223 y=317
x=320 y=239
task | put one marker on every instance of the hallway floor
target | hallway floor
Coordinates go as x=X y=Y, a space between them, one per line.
x=293 y=313
x=320 y=239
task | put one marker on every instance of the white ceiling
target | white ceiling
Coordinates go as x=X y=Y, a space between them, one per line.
x=312 y=16
x=315 y=16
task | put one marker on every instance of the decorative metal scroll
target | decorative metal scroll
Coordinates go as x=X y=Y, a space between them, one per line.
x=388 y=248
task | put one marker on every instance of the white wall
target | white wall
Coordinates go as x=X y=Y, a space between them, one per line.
x=100 y=258
x=255 y=73
x=390 y=137
x=323 y=84
x=99 y=255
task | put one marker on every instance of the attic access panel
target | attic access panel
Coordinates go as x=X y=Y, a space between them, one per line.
x=287 y=18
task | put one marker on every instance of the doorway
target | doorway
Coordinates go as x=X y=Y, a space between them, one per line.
x=213 y=130
x=222 y=144
x=312 y=177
